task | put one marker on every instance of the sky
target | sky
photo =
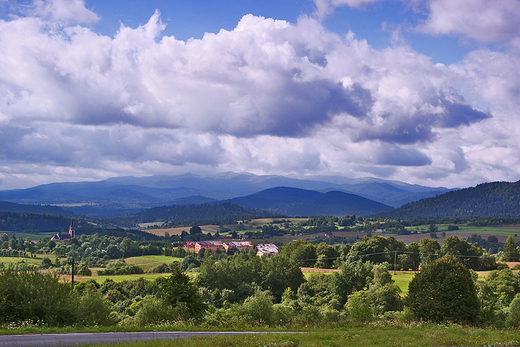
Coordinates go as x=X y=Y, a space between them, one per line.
x=419 y=91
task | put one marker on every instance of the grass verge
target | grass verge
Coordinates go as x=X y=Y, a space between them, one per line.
x=369 y=335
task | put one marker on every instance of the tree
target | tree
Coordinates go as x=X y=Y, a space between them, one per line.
x=511 y=252
x=354 y=276
x=374 y=249
x=29 y=246
x=195 y=230
x=412 y=258
x=452 y=245
x=444 y=291
x=429 y=250
x=279 y=273
x=301 y=251
x=178 y=292
x=326 y=256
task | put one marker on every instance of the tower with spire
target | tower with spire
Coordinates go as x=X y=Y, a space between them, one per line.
x=72 y=230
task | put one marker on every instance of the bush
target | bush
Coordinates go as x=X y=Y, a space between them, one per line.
x=30 y=295
x=120 y=267
x=179 y=293
x=258 y=309
x=358 y=309
x=513 y=316
x=153 y=311
x=94 y=310
x=444 y=291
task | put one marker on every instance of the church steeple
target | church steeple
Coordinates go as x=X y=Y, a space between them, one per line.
x=72 y=231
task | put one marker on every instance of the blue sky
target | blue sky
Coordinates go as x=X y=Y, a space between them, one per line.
x=192 y=19
x=422 y=91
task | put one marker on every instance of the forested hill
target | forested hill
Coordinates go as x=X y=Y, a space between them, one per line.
x=211 y=213
x=301 y=202
x=30 y=222
x=497 y=199
x=6 y=206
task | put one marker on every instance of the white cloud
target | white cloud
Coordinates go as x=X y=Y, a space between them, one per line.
x=266 y=97
x=325 y=7
x=64 y=11
x=482 y=20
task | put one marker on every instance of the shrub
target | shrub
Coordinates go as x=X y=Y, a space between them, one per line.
x=258 y=309
x=30 y=295
x=179 y=293
x=513 y=316
x=358 y=309
x=444 y=291
x=120 y=267
x=94 y=310
x=153 y=311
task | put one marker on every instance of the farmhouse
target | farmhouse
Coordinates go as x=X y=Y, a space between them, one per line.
x=64 y=238
x=238 y=245
x=189 y=246
x=266 y=250
x=211 y=245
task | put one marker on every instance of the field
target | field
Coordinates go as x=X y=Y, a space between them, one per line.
x=14 y=260
x=242 y=226
x=501 y=232
x=402 y=279
x=178 y=231
x=148 y=262
x=30 y=236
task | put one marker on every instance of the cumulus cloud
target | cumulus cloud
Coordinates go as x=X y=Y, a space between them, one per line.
x=267 y=97
x=325 y=7
x=482 y=20
x=63 y=11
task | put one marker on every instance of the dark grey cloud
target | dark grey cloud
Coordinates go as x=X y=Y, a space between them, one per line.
x=458 y=114
x=304 y=105
x=419 y=127
x=21 y=144
x=398 y=156
x=403 y=131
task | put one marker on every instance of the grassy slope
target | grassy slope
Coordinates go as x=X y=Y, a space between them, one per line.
x=148 y=262
x=31 y=261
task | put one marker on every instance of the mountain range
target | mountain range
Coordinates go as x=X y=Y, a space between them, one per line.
x=120 y=195
x=190 y=198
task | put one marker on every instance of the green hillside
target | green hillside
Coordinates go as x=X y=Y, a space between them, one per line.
x=218 y=213
x=495 y=199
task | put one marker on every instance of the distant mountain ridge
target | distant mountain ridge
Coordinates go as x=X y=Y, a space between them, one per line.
x=130 y=194
x=34 y=209
x=494 y=199
x=301 y=202
x=208 y=213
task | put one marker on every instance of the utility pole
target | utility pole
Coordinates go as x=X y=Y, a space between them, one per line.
x=72 y=272
x=395 y=259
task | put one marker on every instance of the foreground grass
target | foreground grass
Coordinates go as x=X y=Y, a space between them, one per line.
x=368 y=335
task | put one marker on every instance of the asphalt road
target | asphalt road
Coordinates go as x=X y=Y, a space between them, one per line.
x=79 y=339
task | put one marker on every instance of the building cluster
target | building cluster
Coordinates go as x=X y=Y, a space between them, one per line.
x=266 y=249
x=213 y=246
x=59 y=237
